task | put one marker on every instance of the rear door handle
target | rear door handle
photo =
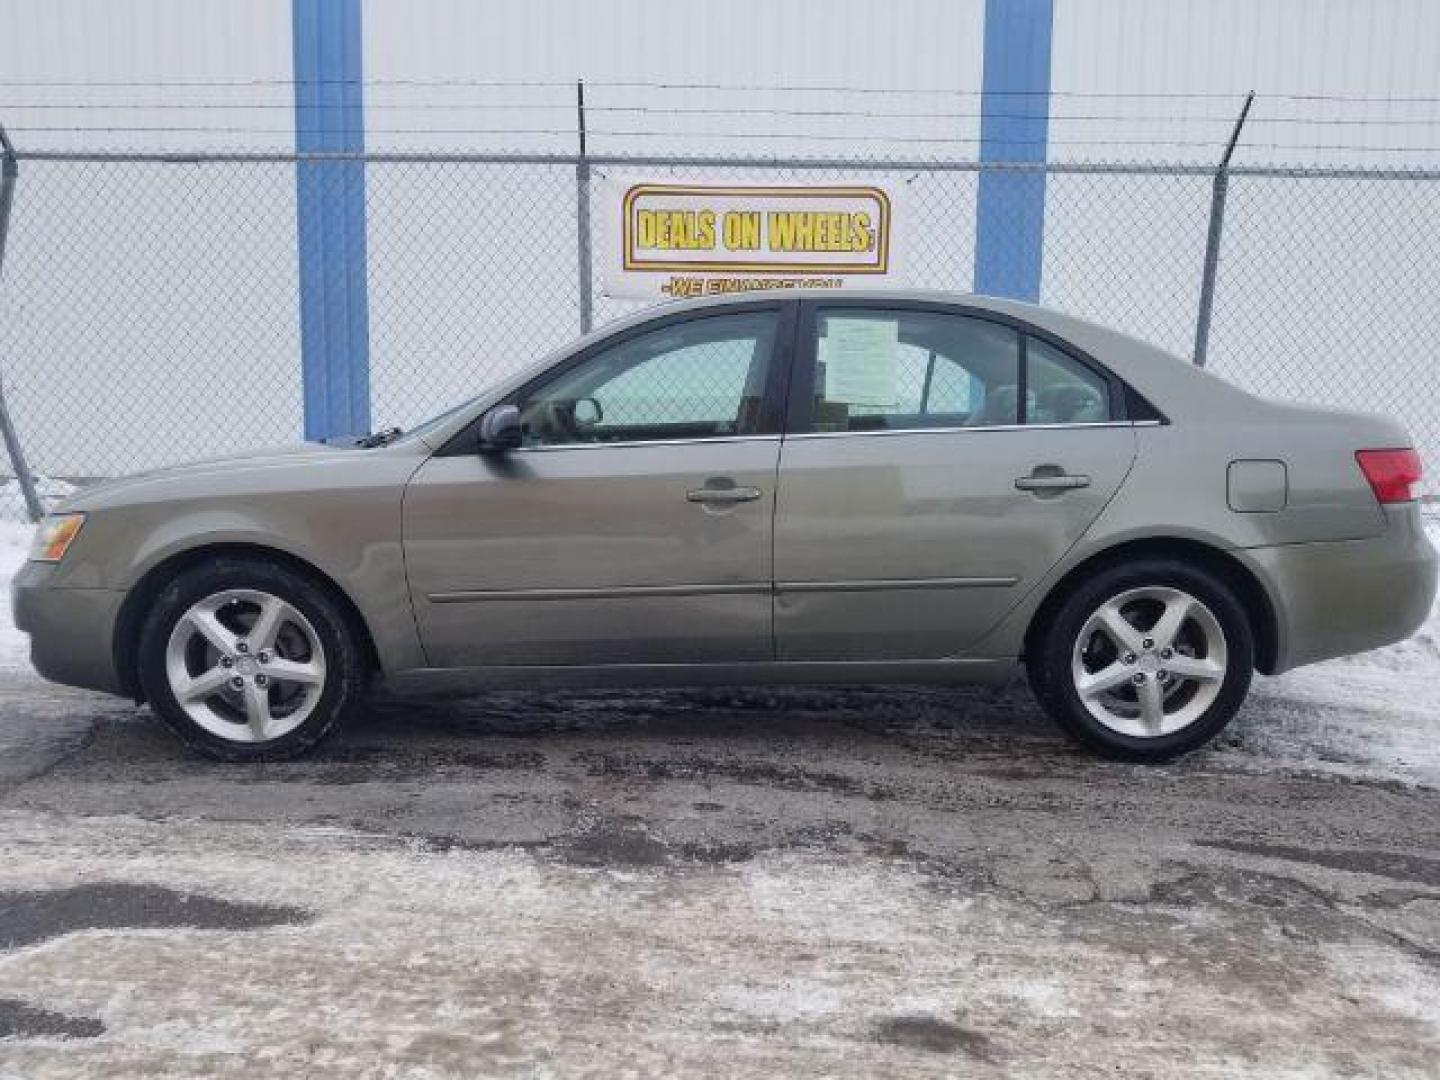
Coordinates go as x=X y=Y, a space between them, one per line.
x=1063 y=482
x=723 y=495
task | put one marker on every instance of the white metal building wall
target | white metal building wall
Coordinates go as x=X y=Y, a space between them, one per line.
x=178 y=75
x=1324 y=54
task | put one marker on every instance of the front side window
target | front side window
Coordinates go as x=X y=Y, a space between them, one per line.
x=700 y=379
x=893 y=370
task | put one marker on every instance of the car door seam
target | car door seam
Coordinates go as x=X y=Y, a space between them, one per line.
x=405 y=558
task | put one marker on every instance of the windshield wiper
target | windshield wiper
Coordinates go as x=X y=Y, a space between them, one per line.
x=380 y=438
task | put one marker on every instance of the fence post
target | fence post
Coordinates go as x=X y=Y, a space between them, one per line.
x=582 y=216
x=1212 y=240
x=9 y=173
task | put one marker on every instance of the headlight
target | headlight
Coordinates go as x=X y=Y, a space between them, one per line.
x=54 y=536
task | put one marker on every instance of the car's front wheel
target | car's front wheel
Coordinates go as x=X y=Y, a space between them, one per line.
x=250 y=660
x=1145 y=660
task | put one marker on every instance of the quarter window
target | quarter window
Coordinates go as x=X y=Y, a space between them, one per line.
x=700 y=379
x=1061 y=390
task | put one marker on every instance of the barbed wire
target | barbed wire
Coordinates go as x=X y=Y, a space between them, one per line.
x=650 y=133
x=719 y=87
x=801 y=136
x=1171 y=117
x=749 y=111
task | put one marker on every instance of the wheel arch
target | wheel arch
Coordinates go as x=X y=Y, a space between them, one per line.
x=1252 y=594
x=143 y=593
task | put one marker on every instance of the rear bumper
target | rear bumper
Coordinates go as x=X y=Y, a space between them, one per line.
x=1334 y=599
x=72 y=631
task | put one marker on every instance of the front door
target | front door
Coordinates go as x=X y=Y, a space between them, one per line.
x=940 y=463
x=633 y=526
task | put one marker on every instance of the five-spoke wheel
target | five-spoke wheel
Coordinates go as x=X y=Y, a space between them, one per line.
x=1150 y=661
x=250 y=659
x=245 y=665
x=1145 y=659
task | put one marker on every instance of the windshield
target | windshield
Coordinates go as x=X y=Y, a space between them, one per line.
x=437 y=421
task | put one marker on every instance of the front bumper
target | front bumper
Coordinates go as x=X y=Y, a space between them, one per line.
x=72 y=631
x=1334 y=599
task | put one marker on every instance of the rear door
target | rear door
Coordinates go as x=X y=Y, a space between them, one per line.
x=938 y=463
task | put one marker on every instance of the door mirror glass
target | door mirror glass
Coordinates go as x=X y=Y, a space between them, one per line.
x=500 y=430
x=588 y=412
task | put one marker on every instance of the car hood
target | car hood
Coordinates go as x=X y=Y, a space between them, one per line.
x=231 y=467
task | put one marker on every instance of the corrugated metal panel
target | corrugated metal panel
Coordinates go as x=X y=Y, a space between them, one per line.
x=136 y=293
x=1166 y=77
x=926 y=44
x=1152 y=79
x=637 y=58
x=74 y=73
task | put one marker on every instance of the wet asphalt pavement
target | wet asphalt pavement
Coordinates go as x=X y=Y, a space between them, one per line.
x=770 y=882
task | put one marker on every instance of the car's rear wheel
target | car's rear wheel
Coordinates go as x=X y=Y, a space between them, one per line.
x=1145 y=660
x=250 y=660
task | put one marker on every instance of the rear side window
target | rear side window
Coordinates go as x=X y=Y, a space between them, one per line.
x=879 y=370
x=1061 y=390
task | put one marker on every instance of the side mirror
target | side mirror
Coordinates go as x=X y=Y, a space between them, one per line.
x=500 y=430
x=588 y=412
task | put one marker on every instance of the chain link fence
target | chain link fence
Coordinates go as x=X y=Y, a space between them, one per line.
x=148 y=305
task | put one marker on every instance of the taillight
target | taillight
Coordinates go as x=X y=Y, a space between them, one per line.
x=1393 y=474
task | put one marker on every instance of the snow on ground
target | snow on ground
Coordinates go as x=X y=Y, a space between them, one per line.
x=14 y=543
x=499 y=963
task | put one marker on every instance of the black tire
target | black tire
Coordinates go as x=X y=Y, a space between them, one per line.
x=347 y=665
x=1053 y=647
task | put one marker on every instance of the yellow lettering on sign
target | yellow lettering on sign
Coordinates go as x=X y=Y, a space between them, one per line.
x=645 y=228
x=820 y=230
x=742 y=230
x=675 y=230
x=862 y=236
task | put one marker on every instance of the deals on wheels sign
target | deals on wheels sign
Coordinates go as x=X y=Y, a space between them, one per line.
x=675 y=240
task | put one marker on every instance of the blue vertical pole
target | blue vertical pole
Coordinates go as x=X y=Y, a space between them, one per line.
x=1014 y=127
x=330 y=217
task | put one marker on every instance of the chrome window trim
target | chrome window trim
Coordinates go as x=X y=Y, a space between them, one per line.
x=701 y=440
x=974 y=430
x=698 y=440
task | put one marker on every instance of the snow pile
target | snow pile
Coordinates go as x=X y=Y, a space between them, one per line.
x=15 y=535
x=14 y=543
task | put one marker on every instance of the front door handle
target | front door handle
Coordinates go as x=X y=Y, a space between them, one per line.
x=723 y=495
x=1060 y=482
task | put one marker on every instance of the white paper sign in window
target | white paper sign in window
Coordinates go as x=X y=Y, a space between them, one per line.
x=860 y=358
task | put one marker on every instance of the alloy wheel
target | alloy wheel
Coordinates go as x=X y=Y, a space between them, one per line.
x=1149 y=662
x=245 y=665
